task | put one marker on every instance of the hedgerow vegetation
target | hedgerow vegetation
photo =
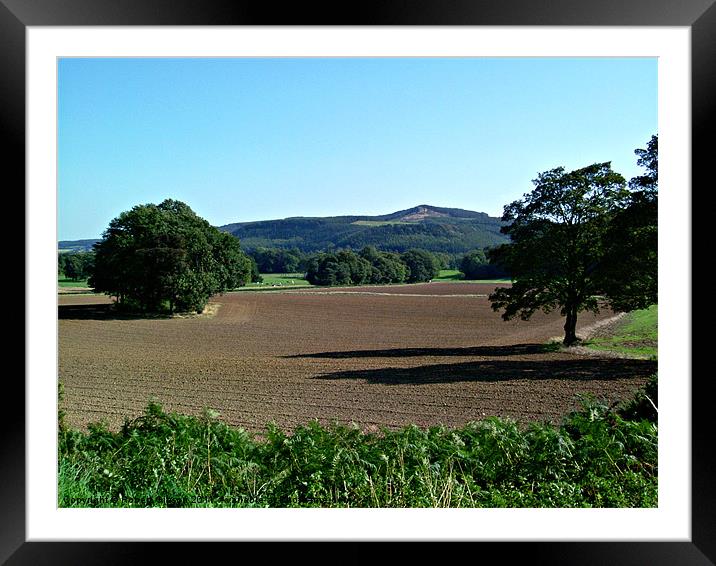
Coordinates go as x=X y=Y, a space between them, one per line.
x=600 y=456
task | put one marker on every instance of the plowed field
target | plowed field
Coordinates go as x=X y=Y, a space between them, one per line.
x=378 y=356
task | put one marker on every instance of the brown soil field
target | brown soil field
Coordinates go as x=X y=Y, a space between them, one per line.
x=426 y=354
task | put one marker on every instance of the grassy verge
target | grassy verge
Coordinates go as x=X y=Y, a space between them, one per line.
x=636 y=335
x=599 y=457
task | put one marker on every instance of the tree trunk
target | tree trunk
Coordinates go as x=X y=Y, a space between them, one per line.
x=570 y=327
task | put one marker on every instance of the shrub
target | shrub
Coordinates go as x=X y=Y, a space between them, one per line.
x=596 y=458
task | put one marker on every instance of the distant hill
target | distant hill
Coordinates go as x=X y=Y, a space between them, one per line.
x=450 y=230
x=71 y=246
x=436 y=229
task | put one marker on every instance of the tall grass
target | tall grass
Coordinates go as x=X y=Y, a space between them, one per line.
x=599 y=457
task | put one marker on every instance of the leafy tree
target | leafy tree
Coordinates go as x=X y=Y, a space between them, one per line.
x=232 y=266
x=157 y=257
x=87 y=264
x=358 y=268
x=76 y=265
x=276 y=260
x=476 y=265
x=629 y=269
x=443 y=259
x=340 y=268
x=72 y=266
x=255 y=274
x=386 y=267
x=325 y=269
x=473 y=264
x=422 y=265
x=557 y=243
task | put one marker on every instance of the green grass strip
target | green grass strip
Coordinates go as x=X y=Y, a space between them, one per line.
x=64 y=282
x=636 y=334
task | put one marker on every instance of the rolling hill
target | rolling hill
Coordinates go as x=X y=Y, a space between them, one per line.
x=433 y=228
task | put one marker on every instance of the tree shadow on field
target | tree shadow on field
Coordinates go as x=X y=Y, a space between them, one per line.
x=489 y=351
x=580 y=370
x=101 y=311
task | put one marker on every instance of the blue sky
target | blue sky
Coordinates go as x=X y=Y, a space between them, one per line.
x=242 y=139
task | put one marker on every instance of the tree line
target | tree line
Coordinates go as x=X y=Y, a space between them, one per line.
x=473 y=264
x=370 y=265
x=373 y=266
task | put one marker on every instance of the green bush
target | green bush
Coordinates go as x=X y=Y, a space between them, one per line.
x=597 y=458
x=645 y=404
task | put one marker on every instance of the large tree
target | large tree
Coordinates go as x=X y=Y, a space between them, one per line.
x=557 y=243
x=165 y=257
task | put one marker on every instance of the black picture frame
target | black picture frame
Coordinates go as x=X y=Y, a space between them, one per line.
x=17 y=15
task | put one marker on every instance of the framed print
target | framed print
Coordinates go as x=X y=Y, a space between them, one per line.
x=42 y=43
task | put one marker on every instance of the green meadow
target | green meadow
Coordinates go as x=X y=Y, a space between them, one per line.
x=64 y=282
x=451 y=275
x=271 y=280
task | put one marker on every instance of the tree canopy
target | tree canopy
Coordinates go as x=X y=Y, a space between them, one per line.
x=558 y=243
x=386 y=267
x=341 y=268
x=76 y=265
x=475 y=265
x=629 y=268
x=277 y=260
x=421 y=264
x=371 y=265
x=165 y=257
